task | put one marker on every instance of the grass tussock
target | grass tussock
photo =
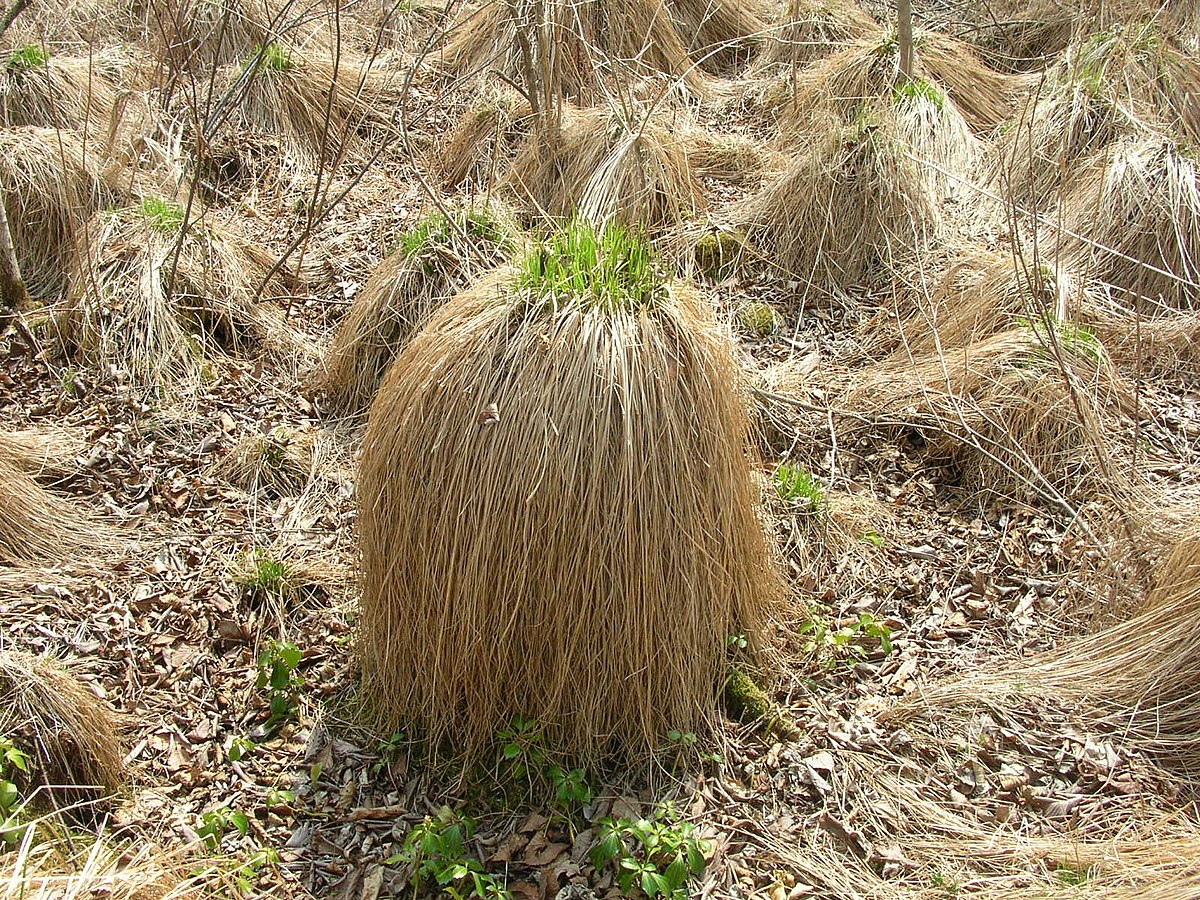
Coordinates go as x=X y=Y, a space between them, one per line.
x=813 y=29
x=721 y=35
x=432 y=262
x=41 y=528
x=1134 y=218
x=316 y=108
x=47 y=454
x=479 y=148
x=559 y=408
x=203 y=35
x=1020 y=415
x=42 y=89
x=609 y=167
x=573 y=46
x=155 y=299
x=51 y=183
x=278 y=463
x=71 y=736
x=849 y=204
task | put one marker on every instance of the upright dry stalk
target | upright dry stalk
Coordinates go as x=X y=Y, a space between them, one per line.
x=904 y=26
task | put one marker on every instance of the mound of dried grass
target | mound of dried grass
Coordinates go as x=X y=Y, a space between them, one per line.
x=48 y=454
x=51 y=185
x=37 y=88
x=608 y=166
x=315 y=106
x=1025 y=414
x=278 y=463
x=71 y=736
x=721 y=35
x=597 y=438
x=568 y=49
x=812 y=30
x=479 y=148
x=851 y=202
x=152 y=295
x=432 y=262
x=38 y=527
x=199 y=36
x=1133 y=222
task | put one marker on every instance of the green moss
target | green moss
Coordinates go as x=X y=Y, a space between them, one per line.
x=31 y=56
x=718 y=254
x=758 y=318
x=745 y=701
x=162 y=215
x=612 y=269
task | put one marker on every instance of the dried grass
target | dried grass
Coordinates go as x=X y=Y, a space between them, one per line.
x=50 y=454
x=480 y=147
x=1134 y=223
x=151 y=298
x=605 y=454
x=574 y=47
x=1021 y=415
x=72 y=736
x=438 y=259
x=850 y=203
x=198 y=36
x=51 y=185
x=37 y=526
x=277 y=463
x=56 y=92
x=721 y=35
x=813 y=29
x=609 y=166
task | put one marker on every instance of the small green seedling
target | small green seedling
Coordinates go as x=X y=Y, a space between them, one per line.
x=263 y=575
x=659 y=855
x=436 y=851
x=277 y=674
x=272 y=57
x=220 y=821
x=848 y=643
x=571 y=788
x=161 y=215
x=14 y=763
x=26 y=58
x=799 y=487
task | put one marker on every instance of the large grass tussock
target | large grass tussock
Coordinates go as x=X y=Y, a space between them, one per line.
x=557 y=512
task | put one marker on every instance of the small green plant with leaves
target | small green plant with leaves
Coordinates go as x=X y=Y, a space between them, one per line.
x=846 y=644
x=162 y=215
x=524 y=758
x=14 y=764
x=657 y=856
x=262 y=574
x=272 y=58
x=914 y=90
x=220 y=821
x=796 y=485
x=1075 y=340
x=571 y=789
x=437 y=230
x=27 y=58
x=436 y=852
x=611 y=269
x=278 y=676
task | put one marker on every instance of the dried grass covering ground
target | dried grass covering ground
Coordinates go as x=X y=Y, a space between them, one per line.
x=37 y=526
x=561 y=408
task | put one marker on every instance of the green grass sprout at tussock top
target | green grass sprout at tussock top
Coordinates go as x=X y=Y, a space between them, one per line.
x=611 y=269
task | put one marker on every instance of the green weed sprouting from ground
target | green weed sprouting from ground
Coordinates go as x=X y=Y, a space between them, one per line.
x=165 y=216
x=262 y=574
x=1077 y=340
x=797 y=485
x=223 y=820
x=846 y=644
x=436 y=851
x=23 y=59
x=659 y=855
x=758 y=318
x=272 y=57
x=14 y=763
x=523 y=757
x=612 y=269
x=436 y=229
x=916 y=89
x=278 y=676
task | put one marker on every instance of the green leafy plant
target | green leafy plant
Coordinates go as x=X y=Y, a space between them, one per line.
x=798 y=486
x=611 y=269
x=657 y=856
x=571 y=788
x=522 y=748
x=437 y=230
x=272 y=57
x=915 y=89
x=14 y=763
x=278 y=798
x=23 y=59
x=390 y=750
x=239 y=748
x=277 y=674
x=847 y=643
x=162 y=215
x=262 y=574
x=436 y=851
x=216 y=823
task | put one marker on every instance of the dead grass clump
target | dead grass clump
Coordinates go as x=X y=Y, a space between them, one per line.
x=478 y=150
x=850 y=203
x=38 y=88
x=1021 y=415
x=720 y=34
x=432 y=262
x=153 y=295
x=71 y=736
x=199 y=36
x=49 y=454
x=812 y=29
x=731 y=158
x=566 y=410
x=605 y=165
x=1133 y=223
x=51 y=184
x=574 y=47
x=39 y=527
x=317 y=108
x=278 y=463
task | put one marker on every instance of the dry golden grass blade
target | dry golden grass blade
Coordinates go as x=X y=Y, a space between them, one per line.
x=850 y=203
x=71 y=736
x=52 y=185
x=41 y=89
x=1021 y=414
x=609 y=166
x=154 y=298
x=580 y=42
x=813 y=29
x=567 y=479
x=37 y=526
x=202 y=35
x=720 y=35
x=1133 y=222
x=433 y=261
x=45 y=453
